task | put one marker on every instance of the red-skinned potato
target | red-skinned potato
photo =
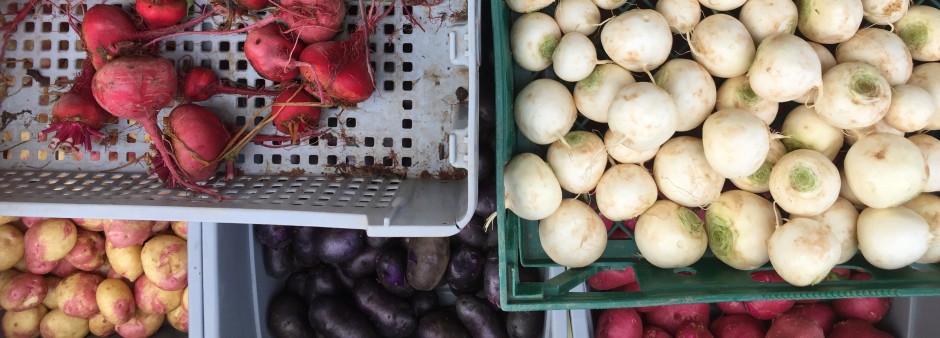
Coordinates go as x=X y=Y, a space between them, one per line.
x=30 y=222
x=23 y=324
x=164 y=261
x=179 y=319
x=184 y=302
x=91 y=224
x=39 y=267
x=115 y=301
x=125 y=261
x=51 y=240
x=125 y=233
x=21 y=265
x=12 y=246
x=88 y=252
x=100 y=326
x=24 y=291
x=181 y=229
x=152 y=299
x=57 y=324
x=63 y=269
x=8 y=219
x=75 y=295
x=159 y=226
x=142 y=325
x=49 y=301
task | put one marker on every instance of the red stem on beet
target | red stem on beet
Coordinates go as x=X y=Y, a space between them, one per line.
x=10 y=27
x=76 y=117
x=201 y=83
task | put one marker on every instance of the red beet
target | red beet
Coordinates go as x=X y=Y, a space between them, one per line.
x=821 y=314
x=254 y=4
x=161 y=13
x=297 y=115
x=767 y=276
x=854 y=328
x=272 y=54
x=611 y=279
x=732 y=308
x=868 y=309
x=618 y=323
x=692 y=329
x=737 y=326
x=790 y=326
x=107 y=29
x=201 y=83
x=669 y=317
x=198 y=138
x=76 y=117
x=136 y=88
x=768 y=309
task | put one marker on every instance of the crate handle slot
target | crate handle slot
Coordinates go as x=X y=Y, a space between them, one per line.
x=459 y=49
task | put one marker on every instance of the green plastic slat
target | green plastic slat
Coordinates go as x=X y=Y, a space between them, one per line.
x=711 y=281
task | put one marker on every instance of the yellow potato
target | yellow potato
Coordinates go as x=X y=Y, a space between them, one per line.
x=179 y=319
x=75 y=295
x=8 y=219
x=23 y=324
x=115 y=300
x=51 y=240
x=185 y=300
x=12 y=246
x=91 y=224
x=100 y=326
x=164 y=261
x=51 y=283
x=181 y=229
x=125 y=261
x=142 y=325
x=6 y=276
x=57 y=324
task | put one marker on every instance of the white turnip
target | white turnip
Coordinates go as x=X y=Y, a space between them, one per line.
x=845 y=191
x=739 y=224
x=928 y=207
x=533 y=39
x=892 y=238
x=919 y=28
x=803 y=251
x=609 y=4
x=804 y=129
x=841 y=218
x=826 y=61
x=882 y=49
x=880 y=127
x=929 y=147
x=804 y=182
x=911 y=108
x=885 y=170
x=579 y=162
x=764 y=18
x=785 y=68
x=683 y=174
x=624 y=154
x=544 y=111
x=580 y=16
x=681 y=15
x=884 y=12
x=670 y=236
x=625 y=191
x=722 y=45
x=829 y=21
x=593 y=95
x=574 y=235
x=736 y=93
x=574 y=57
x=736 y=142
x=927 y=76
x=528 y=6
x=637 y=40
x=758 y=182
x=644 y=114
x=692 y=88
x=722 y=5
x=531 y=189
x=853 y=95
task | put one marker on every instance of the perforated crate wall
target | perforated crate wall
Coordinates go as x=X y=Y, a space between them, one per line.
x=393 y=163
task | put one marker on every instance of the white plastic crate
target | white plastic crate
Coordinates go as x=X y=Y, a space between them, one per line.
x=417 y=135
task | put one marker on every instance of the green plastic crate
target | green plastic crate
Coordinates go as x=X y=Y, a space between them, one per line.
x=709 y=280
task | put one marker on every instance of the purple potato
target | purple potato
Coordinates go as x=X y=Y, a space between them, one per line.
x=465 y=270
x=321 y=280
x=441 y=323
x=390 y=268
x=479 y=319
x=391 y=315
x=340 y=245
x=491 y=279
x=273 y=236
x=525 y=324
x=427 y=261
x=363 y=264
x=472 y=233
x=331 y=317
x=278 y=263
x=304 y=245
x=286 y=317
x=423 y=301
x=486 y=199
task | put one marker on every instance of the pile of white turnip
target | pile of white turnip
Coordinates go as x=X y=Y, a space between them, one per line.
x=840 y=318
x=794 y=133
x=71 y=277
